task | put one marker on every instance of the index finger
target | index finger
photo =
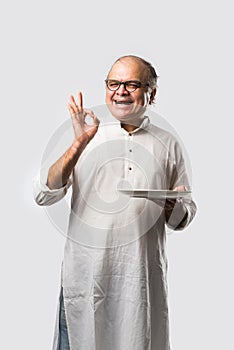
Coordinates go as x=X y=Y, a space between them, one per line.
x=79 y=100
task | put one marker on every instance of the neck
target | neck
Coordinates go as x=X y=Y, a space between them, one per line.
x=129 y=127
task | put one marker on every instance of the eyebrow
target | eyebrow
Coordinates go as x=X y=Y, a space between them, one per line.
x=129 y=81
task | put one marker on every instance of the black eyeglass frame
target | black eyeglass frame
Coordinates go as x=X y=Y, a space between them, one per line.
x=124 y=83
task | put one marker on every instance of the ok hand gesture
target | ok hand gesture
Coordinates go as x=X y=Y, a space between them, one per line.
x=83 y=131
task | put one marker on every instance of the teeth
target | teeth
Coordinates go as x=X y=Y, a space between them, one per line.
x=123 y=102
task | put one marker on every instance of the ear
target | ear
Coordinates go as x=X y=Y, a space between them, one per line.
x=152 y=95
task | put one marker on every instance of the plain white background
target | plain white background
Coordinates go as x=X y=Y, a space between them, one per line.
x=50 y=49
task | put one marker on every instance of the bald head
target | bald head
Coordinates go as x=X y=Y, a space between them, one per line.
x=151 y=75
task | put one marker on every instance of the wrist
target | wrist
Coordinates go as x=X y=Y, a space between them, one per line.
x=79 y=144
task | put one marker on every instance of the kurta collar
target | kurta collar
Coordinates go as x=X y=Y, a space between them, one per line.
x=145 y=123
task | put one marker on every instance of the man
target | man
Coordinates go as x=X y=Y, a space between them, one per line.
x=114 y=289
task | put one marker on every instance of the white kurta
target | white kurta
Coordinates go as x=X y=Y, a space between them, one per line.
x=114 y=273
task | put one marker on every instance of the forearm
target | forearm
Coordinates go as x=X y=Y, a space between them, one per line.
x=60 y=171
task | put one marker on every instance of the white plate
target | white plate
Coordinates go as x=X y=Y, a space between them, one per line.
x=157 y=194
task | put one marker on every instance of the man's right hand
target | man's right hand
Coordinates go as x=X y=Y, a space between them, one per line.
x=83 y=132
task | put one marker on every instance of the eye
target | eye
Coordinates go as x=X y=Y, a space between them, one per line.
x=133 y=85
x=113 y=84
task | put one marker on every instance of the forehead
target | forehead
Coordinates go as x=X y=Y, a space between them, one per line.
x=128 y=69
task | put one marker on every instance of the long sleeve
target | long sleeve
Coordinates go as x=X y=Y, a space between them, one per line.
x=185 y=208
x=43 y=195
x=182 y=214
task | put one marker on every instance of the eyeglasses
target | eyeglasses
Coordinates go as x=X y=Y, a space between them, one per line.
x=130 y=85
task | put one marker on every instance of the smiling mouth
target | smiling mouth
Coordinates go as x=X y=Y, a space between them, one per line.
x=123 y=102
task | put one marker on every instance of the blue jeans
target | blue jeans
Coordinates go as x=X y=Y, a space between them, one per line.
x=63 y=335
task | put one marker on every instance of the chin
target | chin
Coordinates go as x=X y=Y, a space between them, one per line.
x=129 y=119
x=121 y=116
x=128 y=115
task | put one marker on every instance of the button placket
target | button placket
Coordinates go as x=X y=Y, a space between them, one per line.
x=130 y=139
